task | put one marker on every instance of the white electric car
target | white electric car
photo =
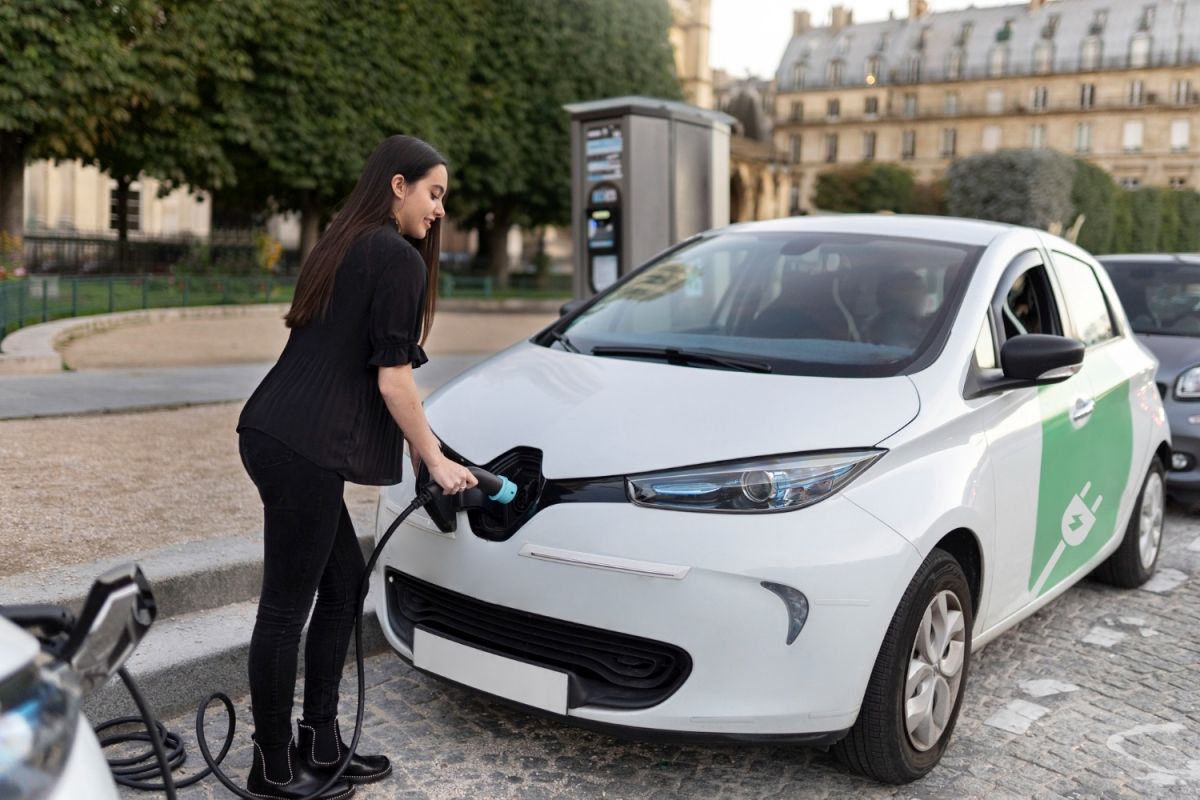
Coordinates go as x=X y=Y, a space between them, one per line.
x=782 y=480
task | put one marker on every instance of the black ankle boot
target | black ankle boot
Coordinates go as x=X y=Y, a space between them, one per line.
x=280 y=774
x=322 y=749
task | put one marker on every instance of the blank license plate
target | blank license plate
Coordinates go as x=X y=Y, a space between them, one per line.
x=506 y=677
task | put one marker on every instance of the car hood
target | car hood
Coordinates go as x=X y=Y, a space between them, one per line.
x=597 y=416
x=1174 y=353
x=17 y=648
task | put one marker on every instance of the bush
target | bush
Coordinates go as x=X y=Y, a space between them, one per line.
x=930 y=198
x=1187 y=205
x=1094 y=194
x=1021 y=187
x=865 y=187
x=1145 y=211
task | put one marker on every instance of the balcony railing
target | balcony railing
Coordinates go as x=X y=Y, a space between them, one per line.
x=902 y=75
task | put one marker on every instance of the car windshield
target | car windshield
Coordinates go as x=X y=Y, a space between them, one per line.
x=1160 y=298
x=795 y=303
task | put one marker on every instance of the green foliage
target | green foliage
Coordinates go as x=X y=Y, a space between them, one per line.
x=1021 y=187
x=1187 y=205
x=866 y=187
x=1145 y=209
x=1095 y=195
x=930 y=198
x=1122 y=224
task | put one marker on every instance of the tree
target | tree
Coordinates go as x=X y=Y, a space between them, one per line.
x=65 y=71
x=186 y=62
x=512 y=162
x=1094 y=194
x=1020 y=187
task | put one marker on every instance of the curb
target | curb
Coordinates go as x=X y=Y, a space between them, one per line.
x=32 y=349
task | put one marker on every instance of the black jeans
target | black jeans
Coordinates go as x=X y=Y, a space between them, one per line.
x=309 y=549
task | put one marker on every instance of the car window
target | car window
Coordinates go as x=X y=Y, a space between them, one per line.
x=1159 y=298
x=806 y=303
x=1086 y=306
x=1028 y=305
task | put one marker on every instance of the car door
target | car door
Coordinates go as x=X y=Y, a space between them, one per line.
x=1039 y=449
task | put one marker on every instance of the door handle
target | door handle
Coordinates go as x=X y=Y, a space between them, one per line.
x=1081 y=410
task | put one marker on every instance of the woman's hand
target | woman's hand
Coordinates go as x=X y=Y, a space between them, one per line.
x=452 y=477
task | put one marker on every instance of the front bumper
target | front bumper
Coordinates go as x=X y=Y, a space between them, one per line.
x=690 y=581
x=1184 y=484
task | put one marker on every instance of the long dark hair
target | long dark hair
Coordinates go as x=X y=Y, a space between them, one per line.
x=369 y=206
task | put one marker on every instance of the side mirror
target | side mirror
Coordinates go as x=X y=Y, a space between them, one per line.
x=570 y=307
x=118 y=611
x=1041 y=359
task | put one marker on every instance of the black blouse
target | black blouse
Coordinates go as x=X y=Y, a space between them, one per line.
x=322 y=397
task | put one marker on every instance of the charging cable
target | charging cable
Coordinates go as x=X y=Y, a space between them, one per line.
x=136 y=774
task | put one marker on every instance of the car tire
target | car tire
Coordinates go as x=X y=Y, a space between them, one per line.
x=1134 y=560
x=929 y=636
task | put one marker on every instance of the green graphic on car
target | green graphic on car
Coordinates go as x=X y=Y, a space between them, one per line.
x=1084 y=472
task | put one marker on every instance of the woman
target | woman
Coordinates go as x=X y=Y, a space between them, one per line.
x=337 y=407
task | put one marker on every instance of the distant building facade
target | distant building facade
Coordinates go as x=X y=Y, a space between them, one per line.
x=689 y=36
x=1115 y=83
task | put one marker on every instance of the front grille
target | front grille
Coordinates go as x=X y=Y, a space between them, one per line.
x=605 y=668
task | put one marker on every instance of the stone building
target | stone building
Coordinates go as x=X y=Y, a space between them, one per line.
x=1115 y=83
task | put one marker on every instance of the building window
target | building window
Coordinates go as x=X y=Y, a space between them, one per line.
x=995 y=101
x=1087 y=95
x=949 y=142
x=1089 y=53
x=1181 y=92
x=133 y=208
x=1137 y=93
x=868 y=145
x=1139 y=50
x=833 y=108
x=798 y=71
x=1129 y=182
x=1181 y=131
x=1131 y=136
x=1146 y=22
x=797 y=111
x=794 y=149
x=873 y=69
x=950 y=104
x=1039 y=97
x=913 y=68
x=998 y=61
x=1177 y=182
x=835 y=73
x=908 y=145
x=991 y=138
x=871 y=106
x=954 y=65
x=831 y=144
x=794 y=200
x=1037 y=136
x=1043 y=57
x=910 y=105
x=1083 y=137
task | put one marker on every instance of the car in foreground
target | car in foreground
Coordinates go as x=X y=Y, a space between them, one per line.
x=781 y=481
x=1161 y=296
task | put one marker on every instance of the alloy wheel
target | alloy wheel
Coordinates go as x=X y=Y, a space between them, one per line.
x=1150 y=520
x=935 y=670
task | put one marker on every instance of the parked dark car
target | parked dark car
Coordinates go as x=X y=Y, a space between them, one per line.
x=1161 y=295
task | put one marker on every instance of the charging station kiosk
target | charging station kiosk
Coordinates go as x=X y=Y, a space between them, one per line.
x=645 y=174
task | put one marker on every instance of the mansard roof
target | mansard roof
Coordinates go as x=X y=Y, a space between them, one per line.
x=1173 y=28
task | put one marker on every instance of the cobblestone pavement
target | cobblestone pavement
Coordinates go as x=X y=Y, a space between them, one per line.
x=1097 y=695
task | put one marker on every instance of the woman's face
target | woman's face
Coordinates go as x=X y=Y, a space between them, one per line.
x=417 y=205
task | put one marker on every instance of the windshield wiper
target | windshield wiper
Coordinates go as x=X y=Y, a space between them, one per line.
x=674 y=355
x=562 y=339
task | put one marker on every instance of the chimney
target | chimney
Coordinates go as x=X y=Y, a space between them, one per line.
x=1034 y=5
x=917 y=8
x=801 y=22
x=840 y=17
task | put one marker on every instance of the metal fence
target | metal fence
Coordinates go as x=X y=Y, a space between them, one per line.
x=41 y=298
x=224 y=252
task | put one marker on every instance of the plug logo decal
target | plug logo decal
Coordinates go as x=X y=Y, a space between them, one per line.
x=1077 y=522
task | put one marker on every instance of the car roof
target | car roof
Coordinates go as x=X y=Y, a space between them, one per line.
x=912 y=226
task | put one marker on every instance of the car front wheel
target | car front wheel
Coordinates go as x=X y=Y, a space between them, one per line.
x=920 y=674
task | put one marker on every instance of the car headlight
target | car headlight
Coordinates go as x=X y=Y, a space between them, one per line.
x=1187 y=385
x=39 y=712
x=778 y=483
